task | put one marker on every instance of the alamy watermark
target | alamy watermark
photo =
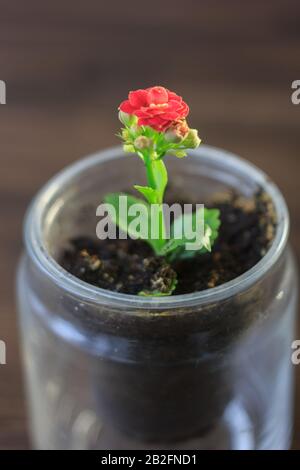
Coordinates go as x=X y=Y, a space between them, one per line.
x=2 y=92
x=143 y=221
x=296 y=354
x=295 y=96
x=2 y=353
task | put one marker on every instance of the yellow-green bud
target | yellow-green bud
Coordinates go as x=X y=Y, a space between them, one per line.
x=192 y=140
x=128 y=120
x=142 y=142
x=128 y=148
x=125 y=134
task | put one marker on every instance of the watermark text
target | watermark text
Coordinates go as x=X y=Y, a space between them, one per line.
x=155 y=221
x=296 y=354
x=2 y=92
x=295 y=96
x=2 y=352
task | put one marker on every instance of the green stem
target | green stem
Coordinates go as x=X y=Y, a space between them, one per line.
x=150 y=173
x=159 y=197
x=161 y=222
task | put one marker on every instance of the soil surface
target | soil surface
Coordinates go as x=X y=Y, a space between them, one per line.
x=129 y=266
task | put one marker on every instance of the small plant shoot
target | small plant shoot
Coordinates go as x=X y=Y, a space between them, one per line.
x=154 y=125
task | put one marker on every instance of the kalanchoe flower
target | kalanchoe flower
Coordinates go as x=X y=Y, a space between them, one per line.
x=155 y=107
x=156 y=118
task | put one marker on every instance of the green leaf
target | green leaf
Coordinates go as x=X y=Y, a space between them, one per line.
x=212 y=219
x=176 y=246
x=149 y=193
x=207 y=238
x=178 y=238
x=160 y=176
x=170 y=246
x=126 y=221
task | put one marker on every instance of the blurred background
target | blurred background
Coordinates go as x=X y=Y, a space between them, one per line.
x=68 y=64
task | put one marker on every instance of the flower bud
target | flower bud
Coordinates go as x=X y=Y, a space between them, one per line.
x=128 y=148
x=192 y=140
x=142 y=142
x=172 y=136
x=127 y=119
x=176 y=133
x=125 y=134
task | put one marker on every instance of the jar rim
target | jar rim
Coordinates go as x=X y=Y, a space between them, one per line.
x=33 y=236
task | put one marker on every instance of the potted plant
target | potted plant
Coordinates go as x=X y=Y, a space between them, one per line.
x=175 y=335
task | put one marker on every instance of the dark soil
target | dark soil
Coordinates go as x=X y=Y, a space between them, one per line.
x=129 y=266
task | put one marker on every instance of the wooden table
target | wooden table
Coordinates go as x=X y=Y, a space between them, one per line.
x=67 y=65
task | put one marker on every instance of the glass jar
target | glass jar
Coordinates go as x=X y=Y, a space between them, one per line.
x=104 y=370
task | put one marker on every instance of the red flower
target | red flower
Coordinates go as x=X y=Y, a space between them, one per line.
x=155 y=107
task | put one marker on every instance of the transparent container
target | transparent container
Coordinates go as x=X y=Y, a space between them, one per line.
x=208 y=370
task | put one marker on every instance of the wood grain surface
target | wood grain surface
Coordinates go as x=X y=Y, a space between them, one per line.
x=68 y=64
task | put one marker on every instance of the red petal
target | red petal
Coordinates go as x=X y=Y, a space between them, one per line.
x=157 y=110
x=159 y=124
x=126 y=107
x=155 y=123
x=143 y=113
x=166 y=125
x=174 y=105
x=157 y=95
x=143 y=122
x=138 y=98
x=151 y=123
x=170 y=116
x=173 y=96
x=184 y=110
